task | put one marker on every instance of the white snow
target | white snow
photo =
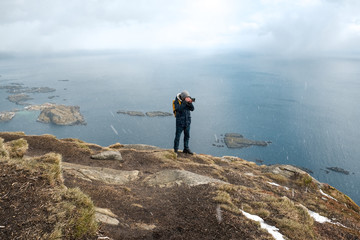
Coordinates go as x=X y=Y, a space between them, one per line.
x=321 y=219
x=317 y=217
x=327 y=195
x=277 y=185
x=271 y=229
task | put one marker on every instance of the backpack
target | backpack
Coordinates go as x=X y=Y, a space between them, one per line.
x=173 y=104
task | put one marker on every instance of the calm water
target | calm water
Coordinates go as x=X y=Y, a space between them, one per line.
x=308 y=108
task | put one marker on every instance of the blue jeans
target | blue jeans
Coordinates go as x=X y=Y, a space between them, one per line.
x=179 y=130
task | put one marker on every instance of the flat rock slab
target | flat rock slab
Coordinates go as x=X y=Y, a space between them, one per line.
x=106 y=219
x=106 y=216
x=170 y=178
x=108 y=155
x=235 y=140
x=106 y=175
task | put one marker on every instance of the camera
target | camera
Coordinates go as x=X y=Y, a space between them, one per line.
x=192 y=99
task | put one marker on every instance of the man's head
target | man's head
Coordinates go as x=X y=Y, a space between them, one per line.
x=184 y=94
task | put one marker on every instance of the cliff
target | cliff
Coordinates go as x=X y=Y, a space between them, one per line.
x=143 y=192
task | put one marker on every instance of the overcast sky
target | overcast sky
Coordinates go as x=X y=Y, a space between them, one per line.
x=271 y=26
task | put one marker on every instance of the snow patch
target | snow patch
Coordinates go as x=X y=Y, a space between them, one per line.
x=317 y=217
x=277 y=185
x=327 y=195
x=321 y=219
x=271 y=229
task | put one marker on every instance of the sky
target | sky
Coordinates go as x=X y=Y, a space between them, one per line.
x=268 y=26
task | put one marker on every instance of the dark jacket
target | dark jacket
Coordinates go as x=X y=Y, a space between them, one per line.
x=183 y=117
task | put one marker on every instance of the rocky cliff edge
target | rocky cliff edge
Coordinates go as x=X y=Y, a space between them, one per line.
x=143 y=192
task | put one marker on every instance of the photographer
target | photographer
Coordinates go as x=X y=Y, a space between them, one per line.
x=182 y=107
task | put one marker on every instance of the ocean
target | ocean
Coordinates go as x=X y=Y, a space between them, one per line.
x=307 y=107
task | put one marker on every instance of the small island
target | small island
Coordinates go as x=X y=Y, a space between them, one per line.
x=62 y=115
x=6 y=116
x=235 y=140
x=19 y=99
x=338 y=170
x=131 y=113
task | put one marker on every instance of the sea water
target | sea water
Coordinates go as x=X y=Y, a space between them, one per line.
x=307 y=107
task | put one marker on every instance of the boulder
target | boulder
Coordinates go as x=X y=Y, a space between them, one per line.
x=170 y=178
x=62 y=115
x=108 y=155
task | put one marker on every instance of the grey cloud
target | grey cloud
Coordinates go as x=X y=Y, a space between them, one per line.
x=265 y=26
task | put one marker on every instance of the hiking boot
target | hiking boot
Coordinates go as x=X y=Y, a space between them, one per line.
x=188 y=151
x=175 y=151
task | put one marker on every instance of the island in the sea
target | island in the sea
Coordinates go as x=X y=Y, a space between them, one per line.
x=236 y=140
x=61 y=115
x=6 y=116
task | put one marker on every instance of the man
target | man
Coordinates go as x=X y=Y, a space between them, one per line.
x=182 y=107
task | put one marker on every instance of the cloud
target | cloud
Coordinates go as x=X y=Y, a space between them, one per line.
x=266 y=26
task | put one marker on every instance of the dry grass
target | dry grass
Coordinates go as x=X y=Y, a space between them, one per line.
x=116 y=146
x=74 y=216
x=280 y=179
x=3 y=152
x=71 y=211
x=17 y=148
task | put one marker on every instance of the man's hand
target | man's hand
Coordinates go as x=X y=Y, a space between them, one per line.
x=188 y=100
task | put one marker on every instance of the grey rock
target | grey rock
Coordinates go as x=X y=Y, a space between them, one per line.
x=235 y=140
x=170 y=178
x=62 y=115
x=108 y=155
x=105 y=215
x=158 y=114
x=106 y=175
x=106 y=219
